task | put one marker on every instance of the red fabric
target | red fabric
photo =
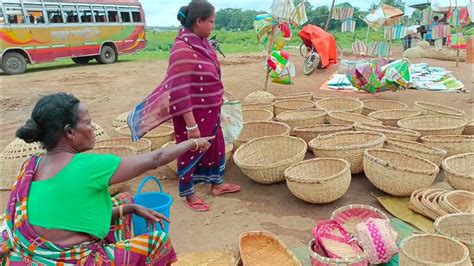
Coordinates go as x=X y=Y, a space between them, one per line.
x=323 y=42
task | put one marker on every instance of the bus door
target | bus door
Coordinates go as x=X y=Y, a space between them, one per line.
x=39 y=33
x=74 y=40
x=58 y=30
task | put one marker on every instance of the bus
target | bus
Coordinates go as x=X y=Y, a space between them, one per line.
x=37 y=31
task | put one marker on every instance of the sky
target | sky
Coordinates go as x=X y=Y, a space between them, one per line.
x=163 y=12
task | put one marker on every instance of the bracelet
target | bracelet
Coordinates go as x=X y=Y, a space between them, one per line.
x=197 y=145
x=120 y=211
x=192 y=128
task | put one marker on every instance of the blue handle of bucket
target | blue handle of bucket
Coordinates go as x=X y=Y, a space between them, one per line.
x=146 y=179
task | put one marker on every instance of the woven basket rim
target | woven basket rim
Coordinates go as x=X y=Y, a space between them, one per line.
x=296 y=94
x=447 y=138
x=358 y=206
x=155 y=135
x=425 y=105
x=313 y=113
x=435 y=150
x=277 y=103
x=347 y=167
x=463 y=216
x=388 y=129
x=378 y=112
x=352 y=260
x=336 y=115
x=321 y=127
x=381 y=138
x=354 y=100
x=257 y=110
x=447 y=167
x=257 y=123
x=401 y=122
x=116 y=147
x=456 y=192
x=382 y=101
x=121 y=138
x=372 y=158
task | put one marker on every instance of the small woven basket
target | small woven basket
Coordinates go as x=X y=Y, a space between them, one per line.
x=290 y=105
x=100 y=133
x=459 y=226
x=120 y=120
x=256 y=115
x=469 y=129
x=432 y=154
x=452 y=144
x=141 y=146
x=337 y=117
x=318 y=259
x=398 y=173
x=258 y=106
x=459 y=171
x=262 y=166
x=158 y=136
x=308 y=96
x=460 y=201
x=390 y=132
x=350 y=105
x=391 y=117
x=257 y=129
x=434 y=125
x=301 y=118
x=427 y=108
x=320 y=180
x=347 y=145
x=428 y=249
x=309 y=133
x=378 y=239
x=372 y=105
x=259 y=97
x=350 y=216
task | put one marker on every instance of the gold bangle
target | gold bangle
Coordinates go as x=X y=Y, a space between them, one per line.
x=197 y=145
x=121 y=211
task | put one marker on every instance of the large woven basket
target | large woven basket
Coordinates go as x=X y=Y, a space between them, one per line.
x=264 y=248
x=141 y=146
x=459 y=201
x=434 y=124
x=256 y=115
x=265 y=159
x=390 y=132
x=158 y=136
x=391 y=117
x=452 y=144
x=257 y=129
x=350 y=105
x=262 y=97
x=398 y=173
x=427 y=108
x=428 y=250
x=12 y=158
x=350 y=216
x=290 y=105
x=302 y=118
x=295 y=96
x=459 y=226
x=372 y=105
x=309 y=133
x=318 y=259
x=258 y=106
x=100 y=133
x=469 y=129
x=459 y=171
x=120 y=120
x=433 y=154
x=320 y=180
x=347 y=145
x=337 y=117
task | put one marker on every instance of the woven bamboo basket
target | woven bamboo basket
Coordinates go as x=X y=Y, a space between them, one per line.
x=350 y=105
x=100 y=133
x=398 y=173
x=433 y=154
x=308 y=96
x=459 y=226
x=390 y=132
x=427 y=108
x=258 y=106
x=452 y=144
x=391 y=117
x=428 y=249
x=301 y=118
x=337 y=117
x=290 y=105
x=318 y=259
x=372 y=105
x=257 y=129
x=460 y=201
x=256 y=115
x=434 y=125
x=350 y=216
x=264 y=248
x=469 y=129
x=217 y=257
x=428 y=197
x=459 y=171
x=120 y=120
x=12 y=158
x=417 y=205
x=260 y=97
x=445 y=205
x=265 y=159
x=320 y=180
x=347 y=145
x=141 y=146
x=158 y=136
x=309 y=133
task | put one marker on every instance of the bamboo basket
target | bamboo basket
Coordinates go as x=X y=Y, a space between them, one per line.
x=120 y=120
x=452 y=144
x=308 y=96
x=318 y=259
x=264 y=248
x=256 y=115
x=428 y=197
x=258 y=106
x=347 y=145
x=259 y=97
x=372 y=105
x=398 y=173
x=141 y=146
x=459 y=171
x=290 y=105
x=320 y=180
x=301 y=118
x=257 y=129
x=391 y=117
x=12 y=158
x=459 y=226
x=309 y=133
x=428 y=249
x=158 y=136
x=224 y=257
x=265 y=159
x=469 y=129
x=100 y=133
x=390 y=132
x=460 y=201
x=434 y=125
x=445 y=205
x=418 y=206
x=350 y=105
x=432 y=154
x=350 y=216
x=337 y=117
x=427 y=108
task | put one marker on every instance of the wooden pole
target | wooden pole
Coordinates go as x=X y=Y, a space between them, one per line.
x=329 y=16
x=389 y=49
x=367 y=40
x=457 y=45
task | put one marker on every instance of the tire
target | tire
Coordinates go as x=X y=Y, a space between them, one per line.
x=304 y=51
x=82 y=60
x=13 y=63
x=311 y=63
x=340 y=52
x=107 y=55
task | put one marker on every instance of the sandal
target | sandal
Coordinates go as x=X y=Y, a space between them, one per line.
x=198 y=206
x=231 y=188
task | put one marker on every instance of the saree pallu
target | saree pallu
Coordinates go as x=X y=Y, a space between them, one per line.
x=22 y=246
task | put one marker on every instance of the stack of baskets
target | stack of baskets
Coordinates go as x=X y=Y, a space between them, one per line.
x=434 y=203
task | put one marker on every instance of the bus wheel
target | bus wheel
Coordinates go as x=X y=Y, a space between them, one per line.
x=13 y=63
x=82 y=60
x=107 y=55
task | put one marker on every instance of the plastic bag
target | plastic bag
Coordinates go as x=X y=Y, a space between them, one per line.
x=231 y=120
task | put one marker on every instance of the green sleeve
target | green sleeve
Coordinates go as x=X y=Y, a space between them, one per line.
x=99 y=168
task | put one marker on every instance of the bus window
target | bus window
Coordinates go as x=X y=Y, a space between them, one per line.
x=99 y=14
x=125 y=14
x=2 y=18
x=112 y=14
x=14 y=13
x=85 y=12
x=34 y=13
x=136 y=15
x=70 y=14
x=54 y=14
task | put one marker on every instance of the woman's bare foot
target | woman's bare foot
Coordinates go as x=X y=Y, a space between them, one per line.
x=224 y=188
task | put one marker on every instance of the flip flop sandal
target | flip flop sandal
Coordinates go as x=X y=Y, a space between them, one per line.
x=231 y=189
x=197 y=206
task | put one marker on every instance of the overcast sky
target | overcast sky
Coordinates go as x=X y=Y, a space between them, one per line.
x=163 y=12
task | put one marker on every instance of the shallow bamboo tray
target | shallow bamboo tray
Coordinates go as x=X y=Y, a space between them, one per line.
x=459 y=226
x=309 y=133
x=390 y=132
x=434 y=124
x=460 y=201
x=432 y=154
x=337 y=117
x=427 y=108
x=300 y=118
x=257 y=129
x=290 y=105
x=256 y=115
x=372 y=105
x=452 y=144
x=350 y=105
x=158 y=136
x=318 y=259
x=391 y=117
x=459 y=171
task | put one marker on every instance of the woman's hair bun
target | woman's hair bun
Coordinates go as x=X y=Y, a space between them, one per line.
x=30 y=132
x=183 y=15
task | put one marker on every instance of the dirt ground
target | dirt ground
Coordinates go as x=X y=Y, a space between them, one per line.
x=109 y=90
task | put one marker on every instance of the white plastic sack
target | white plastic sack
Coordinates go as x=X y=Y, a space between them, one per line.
x=231 y=121
x=282 y=8
x=376 y=19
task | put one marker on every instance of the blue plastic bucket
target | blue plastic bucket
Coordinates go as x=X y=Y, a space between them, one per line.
x=157 y=201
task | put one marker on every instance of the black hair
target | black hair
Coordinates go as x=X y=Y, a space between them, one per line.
x=435 y=18
x=188 y=15
x=48 y=119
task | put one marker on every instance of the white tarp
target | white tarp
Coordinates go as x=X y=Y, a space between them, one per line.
x=282 y=9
